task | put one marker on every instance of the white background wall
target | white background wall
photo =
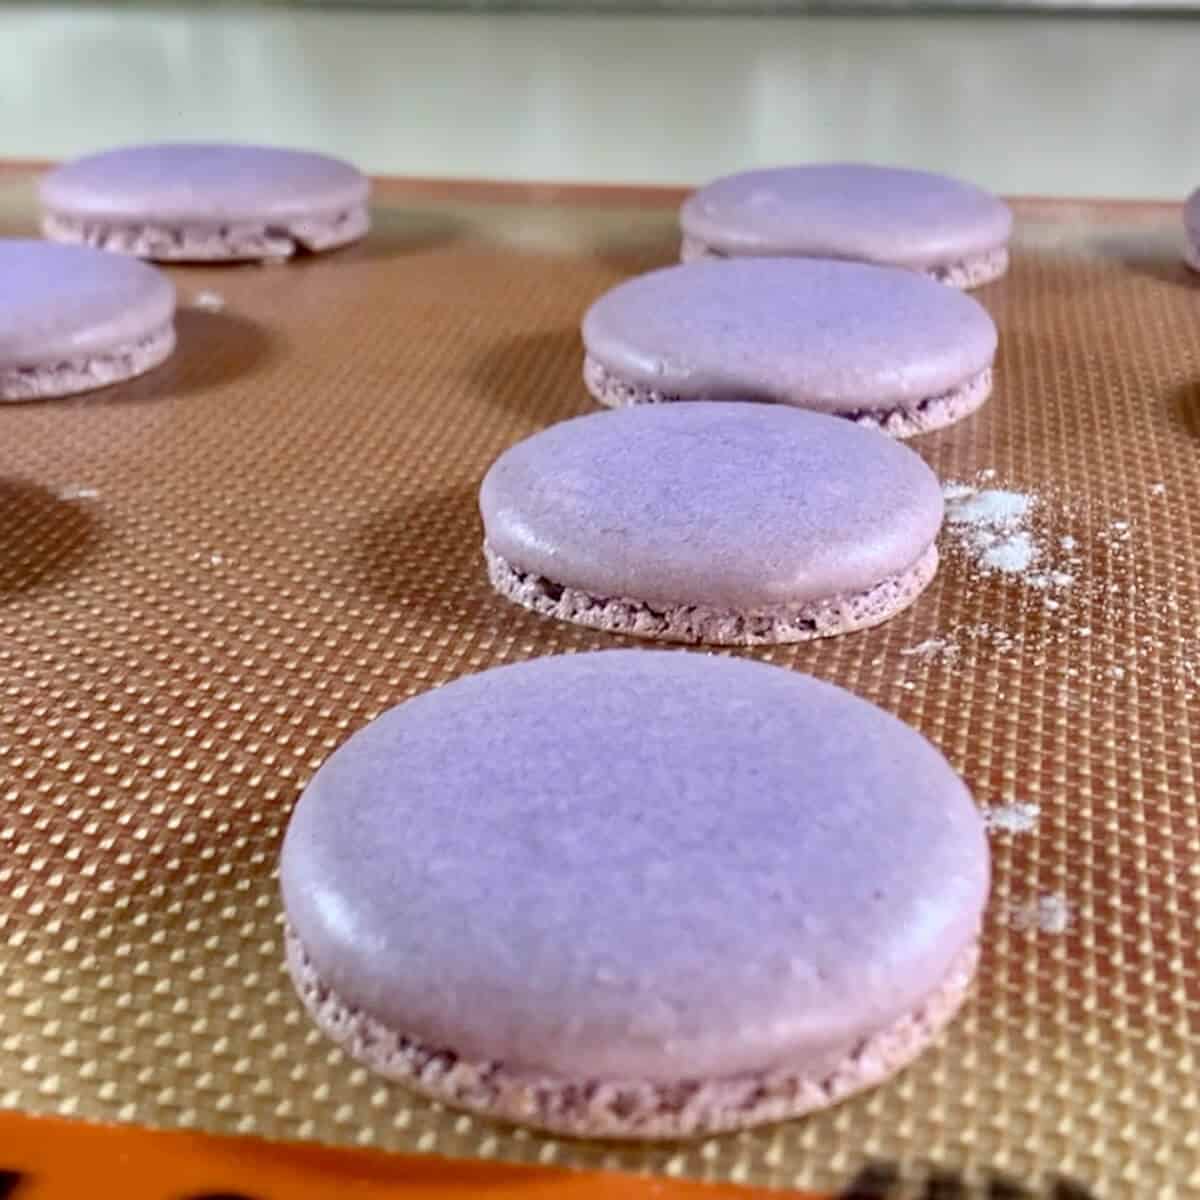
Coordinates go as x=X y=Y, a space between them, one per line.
x=1066 y=105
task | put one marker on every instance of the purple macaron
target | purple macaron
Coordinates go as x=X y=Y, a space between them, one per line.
x=199 y=202
x=943 y=227
x=881 y=346
x=635 y=894
x=1191 y=225
x=730 y=524
x=73 y=319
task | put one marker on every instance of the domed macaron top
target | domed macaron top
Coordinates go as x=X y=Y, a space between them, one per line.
x=61 y=304
x=648 y=865
x=200 y=184
x=738 y=506
x=835 y=337
x=887 y=215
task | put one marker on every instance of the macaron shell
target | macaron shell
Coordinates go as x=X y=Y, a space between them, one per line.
x=202 y=183
x=738 y=506
x=636 y=864
x=828 y=336
x=1191 y=217
x=891 y=215
x=64 y=303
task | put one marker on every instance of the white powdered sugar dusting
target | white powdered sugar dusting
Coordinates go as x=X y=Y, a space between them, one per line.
x=1076 y=572
x=1010 y=554
x=932 y=648
x=990 y=509
x=208 y=301
x=957 y=491
x=1051 y=579
x=1011 y=818
x=77 y=491
x=991 y=525
x=1050 y=913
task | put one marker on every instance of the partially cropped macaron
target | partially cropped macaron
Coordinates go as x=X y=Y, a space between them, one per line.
x=878 y=345
x=635 y=894
x=202 y=202
x=73 y=319
x=1191 y=225
x=943 y=227
x=729 y=524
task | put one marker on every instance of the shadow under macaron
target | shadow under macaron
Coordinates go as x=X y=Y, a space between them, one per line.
x=212 y=350
x=1183 y=406
x=536 y=375
x=1154 y=253
x=43 y=537
x=422 y=558
x=393 y=545
x=396 y=232
x=647 y=244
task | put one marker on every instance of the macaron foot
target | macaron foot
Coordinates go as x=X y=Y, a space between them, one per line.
x=218 y=243
x=972 y=272
x=620 y=1108
x=905 y=421
x=697 y=623
x=43 y=381
x=936 y=412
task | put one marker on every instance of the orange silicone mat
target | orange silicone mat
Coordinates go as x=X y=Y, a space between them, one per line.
x=210 y=576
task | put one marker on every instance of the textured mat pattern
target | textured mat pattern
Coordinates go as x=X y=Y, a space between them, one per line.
x=211 y=576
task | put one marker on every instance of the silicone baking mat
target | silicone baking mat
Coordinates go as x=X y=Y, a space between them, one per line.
x=209 y=577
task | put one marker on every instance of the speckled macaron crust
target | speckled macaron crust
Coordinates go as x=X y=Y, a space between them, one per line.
x=728 y=524
x=200 y=202
x=951 y=230
x=517 y=894
x=73 y=319
x=877 y=345
x=1191 y=225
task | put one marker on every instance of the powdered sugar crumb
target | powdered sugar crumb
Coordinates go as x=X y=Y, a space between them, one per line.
x=956 y=491
x=1051 y=579
x=997 y=530
x=992 y=526
x=1050 y=913
x=208 y=301
x=1083 y=576
x=990 y=509
x=1011 y=818
x=77 y=491
x=932 y=648
x=1011 y=554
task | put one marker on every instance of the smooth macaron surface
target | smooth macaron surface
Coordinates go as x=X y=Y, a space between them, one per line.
x=892 y=215
x=828 y=336
x=1191 y=224
x=1191 y=215
x=61 y=304
x=202 y=184
x=736 y=506
x=636 y=864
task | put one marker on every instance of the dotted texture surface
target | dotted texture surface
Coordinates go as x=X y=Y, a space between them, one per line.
x=211 y=576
